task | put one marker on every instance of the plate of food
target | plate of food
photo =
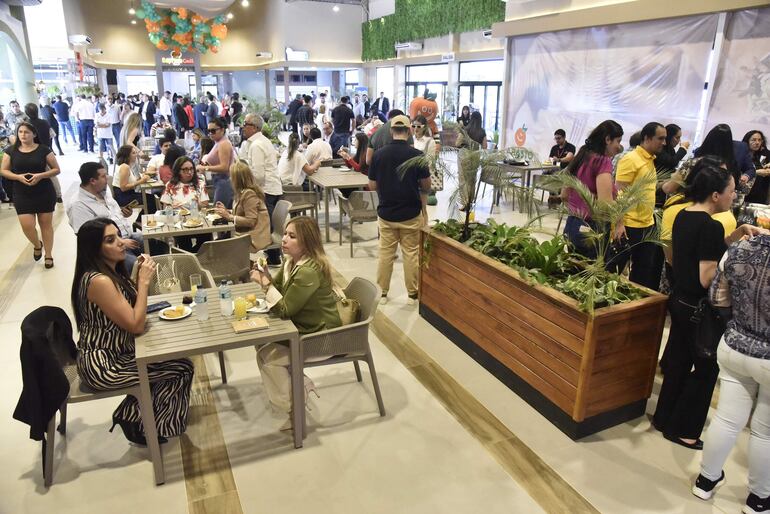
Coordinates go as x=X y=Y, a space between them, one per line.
x=175 y=313
x=184 y=212
x=193 y=223
x=152 y=223
x=257 y=306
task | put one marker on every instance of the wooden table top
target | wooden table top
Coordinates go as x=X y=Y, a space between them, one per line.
x=338 y=177
x=163 y=340
x=532 y=166
x=171 y=231
x=152 y=185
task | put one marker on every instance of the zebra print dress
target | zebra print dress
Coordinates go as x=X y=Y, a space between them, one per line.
x=107 y=360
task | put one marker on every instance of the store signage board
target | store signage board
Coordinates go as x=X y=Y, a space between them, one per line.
x=297 y=55
x=448 y=57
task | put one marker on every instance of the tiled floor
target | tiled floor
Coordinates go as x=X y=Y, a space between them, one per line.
x=419 y=458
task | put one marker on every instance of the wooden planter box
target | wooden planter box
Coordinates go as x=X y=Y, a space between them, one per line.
x=584 y=373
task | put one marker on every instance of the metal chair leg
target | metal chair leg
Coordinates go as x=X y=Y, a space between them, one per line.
x=358 y=371
x=48 y=447
x=222 y=367
x=351 y=236
x=375 y=382
x=340 y=226
x=63 y=418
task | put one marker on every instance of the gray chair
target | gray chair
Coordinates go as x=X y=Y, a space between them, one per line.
x=360 y=206
x=278 y=222
x=301 y=201
x=176 y=277
x=349 y=343
x=225 y=259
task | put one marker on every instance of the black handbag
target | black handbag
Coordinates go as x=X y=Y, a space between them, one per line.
x=710 y=326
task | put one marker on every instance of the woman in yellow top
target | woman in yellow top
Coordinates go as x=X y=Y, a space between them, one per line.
x=249 y=209
x=302 y=292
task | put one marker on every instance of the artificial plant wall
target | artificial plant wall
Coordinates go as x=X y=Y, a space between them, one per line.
x=420 y=19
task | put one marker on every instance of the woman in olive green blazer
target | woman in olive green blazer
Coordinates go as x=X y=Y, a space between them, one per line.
x=302 y=292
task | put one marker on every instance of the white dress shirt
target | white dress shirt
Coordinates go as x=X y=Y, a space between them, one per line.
x=85 y=110
x=85 y=206
x=262 y=157
x=358 y=109
x=318 y=150
x=165 y=107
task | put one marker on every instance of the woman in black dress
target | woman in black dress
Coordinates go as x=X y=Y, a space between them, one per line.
x=30 y=167
x=760 y=156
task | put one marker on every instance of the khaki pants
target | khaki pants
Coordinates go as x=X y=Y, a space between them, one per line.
x=407 y=234
x=273 y=362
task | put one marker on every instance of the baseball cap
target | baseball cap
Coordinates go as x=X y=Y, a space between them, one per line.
x=400 y=121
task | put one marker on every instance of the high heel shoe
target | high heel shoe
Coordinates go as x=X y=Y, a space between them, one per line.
x=310 y=388
x=132 y=432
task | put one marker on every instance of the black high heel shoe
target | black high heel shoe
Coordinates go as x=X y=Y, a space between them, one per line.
x=133 y=433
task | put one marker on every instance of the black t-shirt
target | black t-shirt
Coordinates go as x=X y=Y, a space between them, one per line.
x=43 y=129
x=695 y=237
x=341 y=117
x=399 y=199
x=562 y=152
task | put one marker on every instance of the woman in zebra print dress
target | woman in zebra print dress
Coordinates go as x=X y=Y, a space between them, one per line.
x=110 y=309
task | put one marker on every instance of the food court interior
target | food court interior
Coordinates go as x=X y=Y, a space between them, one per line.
x=474 y=420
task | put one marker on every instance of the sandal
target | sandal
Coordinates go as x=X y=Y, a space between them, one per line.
x=37 y=253
x=48 y=262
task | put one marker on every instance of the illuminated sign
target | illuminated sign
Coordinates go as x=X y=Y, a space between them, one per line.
x=177 y=61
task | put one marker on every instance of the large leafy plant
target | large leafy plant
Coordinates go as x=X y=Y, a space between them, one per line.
x=274 y=119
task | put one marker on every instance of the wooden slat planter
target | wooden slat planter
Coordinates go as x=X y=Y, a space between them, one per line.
x=584 y=373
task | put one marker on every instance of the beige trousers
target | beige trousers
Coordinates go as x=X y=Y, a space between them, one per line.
x=407 y=234
x=273 y=362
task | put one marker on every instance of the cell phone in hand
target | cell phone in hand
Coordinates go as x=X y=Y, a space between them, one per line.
x=155 y=307
x=133 y=204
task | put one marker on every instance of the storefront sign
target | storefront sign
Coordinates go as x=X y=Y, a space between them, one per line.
x=448 y=57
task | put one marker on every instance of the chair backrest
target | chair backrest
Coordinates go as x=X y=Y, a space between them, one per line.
x=227 y=259
x=183 y=266
x=368 y=295
x=364 y=200
x=280 y=217
x=301 y=198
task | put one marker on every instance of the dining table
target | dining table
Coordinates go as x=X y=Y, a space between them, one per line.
x=179 y=338
x=181 y=226
x=148 y=187
x=525 y=172
x=328 y=178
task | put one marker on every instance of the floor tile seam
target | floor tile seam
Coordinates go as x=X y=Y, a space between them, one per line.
x=458 y=412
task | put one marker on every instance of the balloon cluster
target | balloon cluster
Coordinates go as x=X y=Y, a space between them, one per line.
x=182 y=30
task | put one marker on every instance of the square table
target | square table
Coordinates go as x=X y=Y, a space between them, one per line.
x=168 y=231
x=166 y=340
x=328 y=178
x=148 y=187
x=525 y=172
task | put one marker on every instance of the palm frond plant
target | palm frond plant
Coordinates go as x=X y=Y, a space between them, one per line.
x=274 y=119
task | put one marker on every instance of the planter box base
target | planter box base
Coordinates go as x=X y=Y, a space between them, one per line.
x=574 y=429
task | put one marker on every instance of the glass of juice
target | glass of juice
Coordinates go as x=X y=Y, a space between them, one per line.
x=239 y=308
x=195 y=281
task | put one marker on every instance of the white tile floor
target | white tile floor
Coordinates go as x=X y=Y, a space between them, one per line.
x=416 y=459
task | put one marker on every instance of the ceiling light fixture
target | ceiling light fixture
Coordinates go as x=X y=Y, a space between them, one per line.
x=229 y=16
x=132 y=11
x=336 y=8
x=133 y=22
x=245 y=3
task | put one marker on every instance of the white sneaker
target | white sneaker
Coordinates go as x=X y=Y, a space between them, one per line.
x=384 y=299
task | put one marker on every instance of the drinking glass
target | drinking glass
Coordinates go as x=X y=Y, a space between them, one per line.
x=195 y=281
x=239 y=308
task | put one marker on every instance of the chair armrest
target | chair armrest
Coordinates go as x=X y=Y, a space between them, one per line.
x=176 y=249
x=349 y=339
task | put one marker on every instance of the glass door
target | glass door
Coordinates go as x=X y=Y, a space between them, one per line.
x=415 y=89
x=485 y=98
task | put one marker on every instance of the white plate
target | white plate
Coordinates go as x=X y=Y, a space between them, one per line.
x=260 y=308
x=158 y=224
x=187 y=312
x=187 y=225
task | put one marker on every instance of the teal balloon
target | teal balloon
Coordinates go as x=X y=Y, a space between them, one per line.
x=219 y=19
x=140 y=14
x=206 y=29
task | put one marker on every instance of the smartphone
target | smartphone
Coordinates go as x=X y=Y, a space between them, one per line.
x=155 y=307
x=133 y=204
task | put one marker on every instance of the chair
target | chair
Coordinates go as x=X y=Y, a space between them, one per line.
x=301 y=201
x=349 y=343
x=278 y=222
x=225 y=259
x=360 y=206
x=183 y=266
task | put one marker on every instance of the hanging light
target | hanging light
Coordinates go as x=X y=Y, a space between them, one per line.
x=245 y=3
x=229 y=16
x=336 y=8
x=133 y=22
x=132 y=11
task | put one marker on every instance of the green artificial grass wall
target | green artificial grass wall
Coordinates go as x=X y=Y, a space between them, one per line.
x=420 y=19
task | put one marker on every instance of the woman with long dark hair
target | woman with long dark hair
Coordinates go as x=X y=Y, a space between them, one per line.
x=465 y=116
x=719 y=142
x=31 y=166
x=185 y=188
x=475 y=130
x=110 y=310
x=668 y=159
x=760 y=156
x=126 y=182
x=593 y=167
x=698 y=242
x=358 y=162
x=293 y=166
x=219 y=160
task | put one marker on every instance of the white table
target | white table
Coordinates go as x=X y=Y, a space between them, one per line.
x=166 y=340
x=170 y=231
x=343 y=178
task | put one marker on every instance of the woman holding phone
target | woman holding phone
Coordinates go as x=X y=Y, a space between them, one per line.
x=31 y=166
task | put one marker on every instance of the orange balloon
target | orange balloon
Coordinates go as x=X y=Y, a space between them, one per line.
x=182 y=12
x=162 y=45
x=196 y=19
x=167 y=21
x=214 y=49
x=219 y=31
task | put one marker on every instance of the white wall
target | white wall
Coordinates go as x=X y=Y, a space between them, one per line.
x=250 y=83
x=379 y=8
x=123 y=87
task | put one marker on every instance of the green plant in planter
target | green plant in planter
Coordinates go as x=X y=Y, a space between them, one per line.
x=88 y=90
x=274 y=120
x=474 y=166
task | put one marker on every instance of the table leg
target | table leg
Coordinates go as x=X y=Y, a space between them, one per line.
x=144 y=200
x=148 y=420
x=146 y=244
x=326 y=211
x=297 y=391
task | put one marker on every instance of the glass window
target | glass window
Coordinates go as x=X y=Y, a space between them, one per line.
x=482 y=71
x=427 y=73
x=384 y=83
x=351 y=76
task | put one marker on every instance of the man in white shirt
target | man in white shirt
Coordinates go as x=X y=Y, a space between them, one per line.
x=165 y=105
x=358 y=107
x=113 y=112
x=104 y=133
x=85 y=115
x=156 y=161
x=260 y=154
x=318 y=150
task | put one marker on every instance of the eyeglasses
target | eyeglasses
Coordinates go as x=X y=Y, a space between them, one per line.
x=249 y=125
x=213 y=130
x=187 y=169
x=418 y=126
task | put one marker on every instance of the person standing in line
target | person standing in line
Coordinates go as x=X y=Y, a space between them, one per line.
x=85 y=116
x=382 y=103
x=344 y=123
x=147 y=110
x=31 y=166
x=218 y=162
x=188 y=110
x=639 y=223
x=115 y=118
x=212 y=109
x=62 y=110
x=180 y=117
x=367 y=104
x=305 y=113
x=743 y=356
x=104 y=133
x=47 y=113
x=165 y=105
x=358 y=106
x=291 y=113
x=402 y=210
x=199 y=113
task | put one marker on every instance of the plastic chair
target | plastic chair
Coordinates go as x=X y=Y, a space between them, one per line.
x=176 y=278
x=225 y=259
x=278 y=222
x=360 y=206
x=301 y=201
x=349 y=343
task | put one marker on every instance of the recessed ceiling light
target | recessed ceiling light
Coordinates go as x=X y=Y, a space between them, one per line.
x=229 y=16
x=133 y=22
x=245 y=3
x=132 y=11
x=336 y=8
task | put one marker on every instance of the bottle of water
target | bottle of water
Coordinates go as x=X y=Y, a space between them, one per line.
x=194 y=209
x=225 y=299
x=201 y=304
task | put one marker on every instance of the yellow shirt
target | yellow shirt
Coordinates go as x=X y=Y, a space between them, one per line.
x=633 y=166
x=726 y=218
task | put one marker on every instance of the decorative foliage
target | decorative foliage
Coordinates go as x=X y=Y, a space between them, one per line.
x=182 y=30
x=274 y=120
x=420 y=19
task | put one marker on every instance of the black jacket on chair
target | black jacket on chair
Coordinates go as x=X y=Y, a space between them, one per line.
x=46 y=345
